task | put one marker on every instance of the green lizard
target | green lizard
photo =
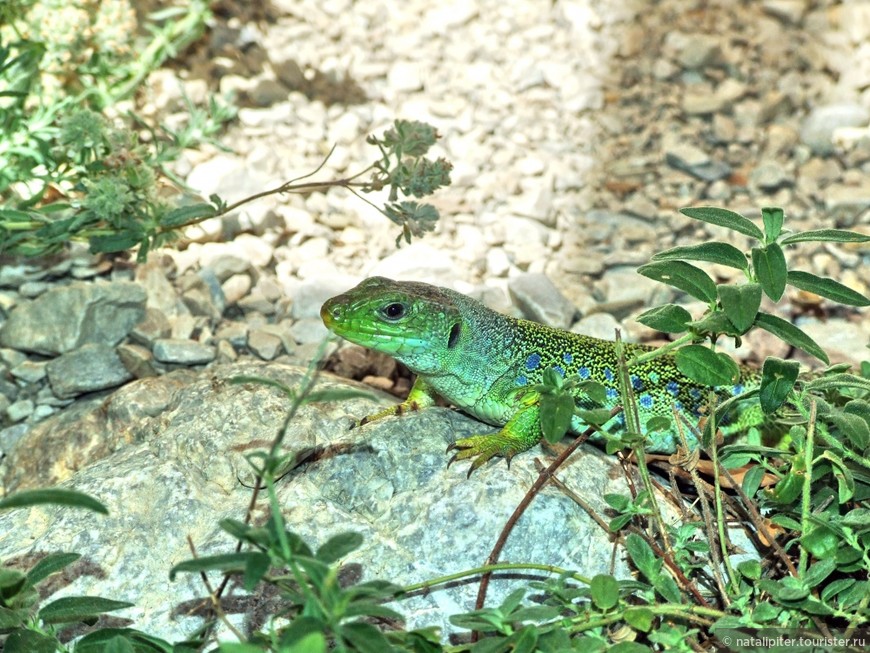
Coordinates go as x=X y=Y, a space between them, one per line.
x=483 y=363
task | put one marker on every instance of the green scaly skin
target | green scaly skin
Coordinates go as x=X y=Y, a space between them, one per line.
x=483 y=363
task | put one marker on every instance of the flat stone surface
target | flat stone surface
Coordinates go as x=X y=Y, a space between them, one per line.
x=67 y=317
x=89 y=368
x=182 y=352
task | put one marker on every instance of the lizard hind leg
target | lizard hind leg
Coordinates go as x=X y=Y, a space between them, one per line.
x=521 y=433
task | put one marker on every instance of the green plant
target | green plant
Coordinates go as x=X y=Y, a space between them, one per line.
x=116 y=206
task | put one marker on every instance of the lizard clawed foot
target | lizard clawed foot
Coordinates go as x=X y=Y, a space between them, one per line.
x=482 y=448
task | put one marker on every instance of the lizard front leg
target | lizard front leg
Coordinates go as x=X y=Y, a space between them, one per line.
x=421 y=396
x=521 y=433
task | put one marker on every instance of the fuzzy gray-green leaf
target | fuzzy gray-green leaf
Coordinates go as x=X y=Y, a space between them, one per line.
x=684 y=276
x=827 y=288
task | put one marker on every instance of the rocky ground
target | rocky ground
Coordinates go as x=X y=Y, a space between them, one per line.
x=576 y=131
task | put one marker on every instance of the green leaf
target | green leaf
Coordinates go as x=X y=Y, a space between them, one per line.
x=715 y=322
x=618 y=502
x=750 y=569
x=10 y=619
x=642 y=556
x=119 y=242
x=740 y=303
x=311 y=643
x=724 y=218
x=222 y=562
x=858 y=519
x=773 y=218
x=604 y=591
x=819 y=571
x=777 y=381
x=365 y=638
x=668 y=318
x=185 y=214
x=525 y=640
x=770 y=270
x=640 y=618
x=752 y=480
x=50 y=564
x=827 y=288
x=257 y=567
x=711 y=252
x=53 y=496
x=658 y=423
x=95 y=642
x=706 y=366
x=79 y=608
x=853 y=427
x=685 y=276
x=826 y=235
x=28 y=641
x=821 y=542
x=556 y=411
x=790 y=334
x=338 y=546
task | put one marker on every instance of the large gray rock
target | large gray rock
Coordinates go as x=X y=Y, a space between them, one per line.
x=173 y=464
x=68 y=317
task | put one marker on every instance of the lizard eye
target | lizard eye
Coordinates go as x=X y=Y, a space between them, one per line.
x=393 y=311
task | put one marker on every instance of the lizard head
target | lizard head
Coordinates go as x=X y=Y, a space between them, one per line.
x=415 y=323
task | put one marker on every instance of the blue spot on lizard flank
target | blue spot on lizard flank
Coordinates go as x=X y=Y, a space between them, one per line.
x=583 y=373
x=620 y=419
x=653 y=377
x=522 y=380
x=636 y=382
x=678 y=405
x=559 y=370
x=737 y=389
x=611 y=393
x=608 y=374
x=645 y=401
x=533 y=361
x=567 y=358
x=694 y=393
x=673 y=387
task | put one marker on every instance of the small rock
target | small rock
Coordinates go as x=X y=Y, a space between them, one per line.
x=694 y=50
x=264 y=344
x=694 y=161
x=770 y=176
x=20 y=410
x=137 y=360
x=267 y=92
x=539 y=300
x=598 y=325
x=182 y=352
x=404 y=77
x=29 y=371
x=790 y=12
x=226 y=353
x=236 y=287
x=153 y=326
x=818 y=129
x=234 y=332
x=308 y=329
x=498 y=263
x=255 y=302
x=227 y=265
x=89 y=368
x=31 y=289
